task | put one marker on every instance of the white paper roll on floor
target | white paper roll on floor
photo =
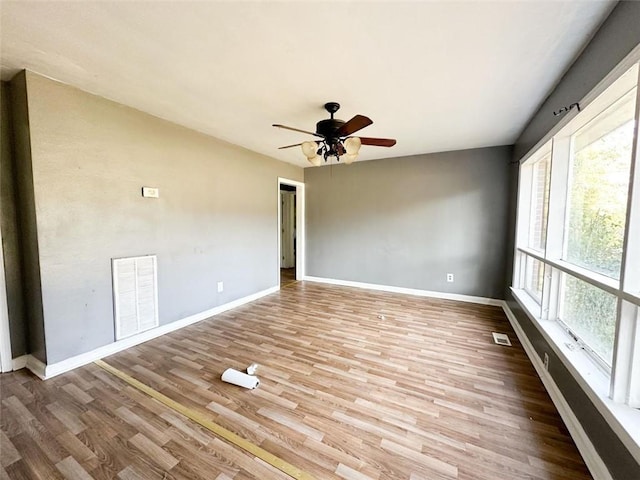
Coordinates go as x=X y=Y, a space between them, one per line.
x=252 y=369
x=240 y=378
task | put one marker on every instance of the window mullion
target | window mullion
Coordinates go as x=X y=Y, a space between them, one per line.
x=522 y=222
x=524 y=205
x=630 y=273
x=625 y=376
x=557 y=197
x=549 y=294
x=633 y=400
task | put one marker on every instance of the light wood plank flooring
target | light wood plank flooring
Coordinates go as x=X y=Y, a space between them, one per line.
x=287 y=276
x=356 y=384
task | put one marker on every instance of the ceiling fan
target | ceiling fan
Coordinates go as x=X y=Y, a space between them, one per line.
x=335 y=138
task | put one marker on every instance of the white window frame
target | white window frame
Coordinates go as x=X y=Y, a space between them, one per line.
x=614 y=390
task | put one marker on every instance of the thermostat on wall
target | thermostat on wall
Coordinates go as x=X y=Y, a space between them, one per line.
x=150 y=192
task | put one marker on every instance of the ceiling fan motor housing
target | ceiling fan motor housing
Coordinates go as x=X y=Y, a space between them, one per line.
x=329 y=127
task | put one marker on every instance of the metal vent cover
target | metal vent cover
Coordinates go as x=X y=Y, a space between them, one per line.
x=501 y=339
x=135 y=295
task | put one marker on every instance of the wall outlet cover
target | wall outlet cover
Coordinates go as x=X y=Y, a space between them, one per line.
x=150 y=192
x=546 y=361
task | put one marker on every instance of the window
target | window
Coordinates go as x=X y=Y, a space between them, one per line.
x=598 y=186
x=540 y=202
x=534 y=273
x=577 y=264
x=590 y=315
x=534 y=200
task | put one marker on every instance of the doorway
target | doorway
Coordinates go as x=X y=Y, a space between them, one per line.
x=290 y=231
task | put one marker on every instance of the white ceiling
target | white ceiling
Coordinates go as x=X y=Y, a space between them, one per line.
x=437 y=76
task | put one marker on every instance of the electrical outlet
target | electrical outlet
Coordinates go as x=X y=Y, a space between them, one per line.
x=220 y=287
x=450 y=277
x=546 y=361
x=150 y=192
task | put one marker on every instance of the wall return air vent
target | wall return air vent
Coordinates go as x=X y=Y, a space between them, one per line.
x=135 y=294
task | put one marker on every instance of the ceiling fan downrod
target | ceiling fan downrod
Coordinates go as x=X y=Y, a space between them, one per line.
x=332 y=107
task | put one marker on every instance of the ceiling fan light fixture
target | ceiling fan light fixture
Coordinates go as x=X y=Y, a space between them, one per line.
x=349 y=158
x=336 y=140
x=309 y=149
x=315 y=161
x=352 y=146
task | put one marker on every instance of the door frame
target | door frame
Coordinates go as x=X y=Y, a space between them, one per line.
x=6 y=361
x=300 y=226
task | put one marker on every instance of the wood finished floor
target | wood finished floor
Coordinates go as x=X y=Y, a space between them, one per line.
x=422 y=393
x=287 y=276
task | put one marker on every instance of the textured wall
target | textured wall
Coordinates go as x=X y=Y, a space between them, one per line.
x=619 y=34
x=10 y=232
x=30 y=259
x=409 y=221
x=215 y=220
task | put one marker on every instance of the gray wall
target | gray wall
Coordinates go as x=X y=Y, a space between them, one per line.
x=409 y=221
x=9 y=227
x=616 y=38
x=215 y=220
x=27 y=229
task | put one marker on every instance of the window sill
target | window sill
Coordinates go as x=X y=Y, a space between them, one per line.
x=624 y=420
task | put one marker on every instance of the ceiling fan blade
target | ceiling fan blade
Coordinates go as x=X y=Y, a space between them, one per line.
x=297 y=130
x=289 y=146
x=378 y=142
x=356 y=123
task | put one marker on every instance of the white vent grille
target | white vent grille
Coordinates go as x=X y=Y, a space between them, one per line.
x=135 y=295
x=501 y=339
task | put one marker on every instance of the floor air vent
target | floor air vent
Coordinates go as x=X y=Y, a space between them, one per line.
x=501 y=339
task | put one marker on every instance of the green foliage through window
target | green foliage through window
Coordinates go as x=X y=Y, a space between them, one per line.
x=598 y=191
x=591 y=314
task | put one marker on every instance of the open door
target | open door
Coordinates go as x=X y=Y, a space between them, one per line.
x=288 y=228
x=290 y=231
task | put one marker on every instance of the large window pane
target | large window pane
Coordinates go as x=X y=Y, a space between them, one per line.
x=598 y=187
x=590 y=313
x=540 y=202
x=534 y=274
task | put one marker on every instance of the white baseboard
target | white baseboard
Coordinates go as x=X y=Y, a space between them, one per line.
x=20 y=362
x=591 y=458
x=30 y=362
x=408 y=291
x=48 y=371
x=36 y=366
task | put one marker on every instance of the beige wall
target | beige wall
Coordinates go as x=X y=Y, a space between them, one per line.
x=215 y=220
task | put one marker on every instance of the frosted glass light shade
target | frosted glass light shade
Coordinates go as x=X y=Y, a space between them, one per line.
x=315 y=161
x=352 y=145
x=309 y=149
x=349 y=158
